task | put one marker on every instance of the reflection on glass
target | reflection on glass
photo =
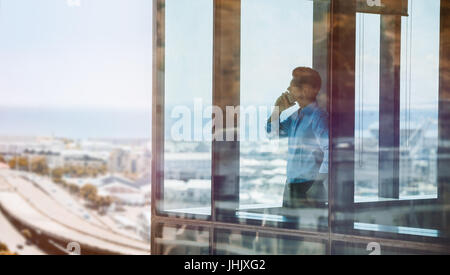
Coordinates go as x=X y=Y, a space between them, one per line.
x=182 y=240
x=252 y=243
x=384 y=116
x=280 y=171
x=419 y=100
x=397 y=111
x=419 y=96
x=188 y=93
x=347 y=248
x=263 y=161
x=367 y=100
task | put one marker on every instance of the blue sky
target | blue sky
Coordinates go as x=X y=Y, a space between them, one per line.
x=99 y=54
x=275 y=38
x=424 y=49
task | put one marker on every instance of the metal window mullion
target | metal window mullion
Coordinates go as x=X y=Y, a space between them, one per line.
x=157 y=184
x=444 y=115
x=226 y=92
x=342 y=113
x=389 y=114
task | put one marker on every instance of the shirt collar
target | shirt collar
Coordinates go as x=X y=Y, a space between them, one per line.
x=309 y=109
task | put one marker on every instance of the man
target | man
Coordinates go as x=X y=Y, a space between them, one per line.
x=307 y=130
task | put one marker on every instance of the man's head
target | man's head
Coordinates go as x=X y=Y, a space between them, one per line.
x=305 y=85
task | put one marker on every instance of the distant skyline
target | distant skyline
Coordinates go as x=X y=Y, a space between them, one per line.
x=75 y=123
x=98 y=57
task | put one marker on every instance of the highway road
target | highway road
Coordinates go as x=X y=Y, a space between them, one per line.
x=14 y=240
x=34 y=205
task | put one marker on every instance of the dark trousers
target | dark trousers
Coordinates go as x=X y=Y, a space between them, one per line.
x=299 y=199
x=304 y=194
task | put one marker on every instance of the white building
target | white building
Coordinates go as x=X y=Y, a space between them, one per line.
x=123 y=193
x=123 y=190
x=83 y=159
x=187 y=166
x=132 y=161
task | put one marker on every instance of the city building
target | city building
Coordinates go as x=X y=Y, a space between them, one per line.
x=81 y=159
x=122 y=193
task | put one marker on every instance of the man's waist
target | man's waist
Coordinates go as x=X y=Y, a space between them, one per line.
x=300 y=180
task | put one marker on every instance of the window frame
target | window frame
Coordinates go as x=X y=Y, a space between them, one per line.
x=340 y=82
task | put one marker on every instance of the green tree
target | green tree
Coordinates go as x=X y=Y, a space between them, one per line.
x=105 y=201
x=57 y=174
x=74 y=189
x=20 y=163
x=89 y=192
x=91 y=172
x=39 y=166
x=103 y=169
x=80 y=172
x=65 y=184
x=100 y=202
x=12 y=163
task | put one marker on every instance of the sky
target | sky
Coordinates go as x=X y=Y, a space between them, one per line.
x=275 y=38
x=98 y=54
x=424 y=49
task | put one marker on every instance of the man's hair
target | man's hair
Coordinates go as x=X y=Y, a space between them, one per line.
x=305 y=75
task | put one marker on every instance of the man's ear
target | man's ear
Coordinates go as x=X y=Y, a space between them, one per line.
x=309 y=93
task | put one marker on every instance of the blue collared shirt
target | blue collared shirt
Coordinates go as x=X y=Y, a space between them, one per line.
x=307 y=130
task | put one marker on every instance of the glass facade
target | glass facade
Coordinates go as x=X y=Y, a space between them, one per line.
x=188 y=63
x=251 y=156
x=253 y=243
x=181 y=240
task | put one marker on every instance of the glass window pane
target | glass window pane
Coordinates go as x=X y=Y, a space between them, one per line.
x=396 y=189
x=419 y=96
x=374 y=248
x=188 y=98
x=253 y=243
x=182 y=240
x=367 y=102
x=275 y=171
x=419 y=101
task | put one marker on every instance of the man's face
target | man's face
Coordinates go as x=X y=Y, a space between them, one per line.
x=302 y=93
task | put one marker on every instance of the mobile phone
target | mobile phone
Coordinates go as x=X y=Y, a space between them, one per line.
x=290 y=98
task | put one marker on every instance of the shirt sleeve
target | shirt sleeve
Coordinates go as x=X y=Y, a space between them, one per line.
x=320 y=129
x=278 y=129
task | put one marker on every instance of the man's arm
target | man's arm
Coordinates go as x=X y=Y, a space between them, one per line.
x=275 y=127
